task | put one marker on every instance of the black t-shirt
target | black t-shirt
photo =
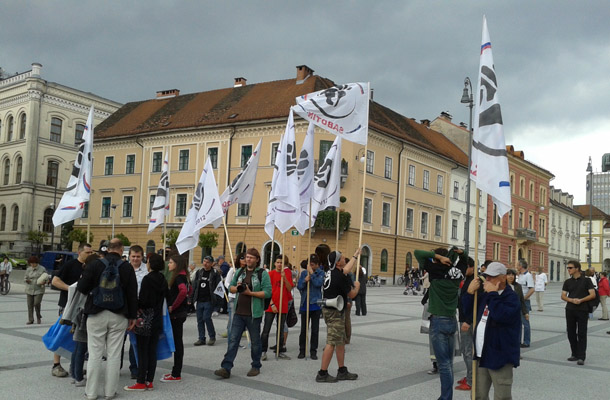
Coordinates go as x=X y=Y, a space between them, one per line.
x=203 y=292
x=244 y=303
x=69 y=274
x=577 y=289
x=336 y=283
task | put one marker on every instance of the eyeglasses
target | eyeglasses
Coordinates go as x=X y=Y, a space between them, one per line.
x=570 y=267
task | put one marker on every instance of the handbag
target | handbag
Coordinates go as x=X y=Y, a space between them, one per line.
x=144 y=321
x=291 y=318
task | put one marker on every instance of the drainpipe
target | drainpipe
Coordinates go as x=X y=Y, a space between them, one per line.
x=224 y=243
x=397 y=208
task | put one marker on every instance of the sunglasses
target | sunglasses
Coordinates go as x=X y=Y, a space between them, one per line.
x=570 y=267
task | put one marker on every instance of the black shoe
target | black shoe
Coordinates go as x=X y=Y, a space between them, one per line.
x=199 y=343
x=580 y=362
x=326 y=378
x=573 y=358
x=346 y=376
x=134 y=376
x=524 y=346
x=313 y=356
x=301 y=355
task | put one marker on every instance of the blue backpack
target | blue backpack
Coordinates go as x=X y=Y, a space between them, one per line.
x=109 y=294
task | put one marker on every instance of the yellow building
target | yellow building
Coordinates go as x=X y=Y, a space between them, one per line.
x=407 y=164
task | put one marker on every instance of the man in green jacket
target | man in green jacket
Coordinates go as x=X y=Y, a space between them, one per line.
x=251 y=286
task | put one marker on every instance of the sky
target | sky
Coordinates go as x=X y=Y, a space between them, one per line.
x=551 y=57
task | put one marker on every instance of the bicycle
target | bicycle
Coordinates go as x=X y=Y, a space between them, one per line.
x=401 y=281
x=5 y=285
x=373 y=281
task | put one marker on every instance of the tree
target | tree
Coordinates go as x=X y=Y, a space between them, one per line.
x=64 y=240
x=207 y=241
x=37 y=238
x=79 y=236
x=123 y=239
x=172 y=238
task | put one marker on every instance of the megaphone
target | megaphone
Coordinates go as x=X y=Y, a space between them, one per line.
x=337 y=303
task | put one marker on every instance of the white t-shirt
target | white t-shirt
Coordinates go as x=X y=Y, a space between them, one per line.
x=480 y=339
x=526 y=280
x=228 y=280
x=541 y=281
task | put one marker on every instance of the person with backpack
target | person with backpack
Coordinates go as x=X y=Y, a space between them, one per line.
x=111 y=308
x=179 y=290
x=251 y=286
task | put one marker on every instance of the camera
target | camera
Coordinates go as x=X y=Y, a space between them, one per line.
x=241 y=287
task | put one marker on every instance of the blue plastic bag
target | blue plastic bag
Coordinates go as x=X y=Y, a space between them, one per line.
x=59 y=339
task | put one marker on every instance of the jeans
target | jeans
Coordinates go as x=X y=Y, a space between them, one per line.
x=77 y=361
x=269 y=318
x=240 y=324
x=178 y=330
x=230 y=309
x=314 y=318
x=526 y=325
x=576 y=321
x=204 y=319
x=442 y=336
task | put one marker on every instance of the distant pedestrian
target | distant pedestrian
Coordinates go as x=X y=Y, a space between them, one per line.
x=604 y=292
x=526 y=280
x=539 y=288
x=35 y=282
x=206 y=280
x=360 y=299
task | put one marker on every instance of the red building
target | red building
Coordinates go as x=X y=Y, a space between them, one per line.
x=524 y=231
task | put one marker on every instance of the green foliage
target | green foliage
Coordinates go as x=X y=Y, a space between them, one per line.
x=37 y=236
x=77 y=235
x=172 y=237
x=65 y=231
x=123 y=239
x=208 y=240
x=327 y=220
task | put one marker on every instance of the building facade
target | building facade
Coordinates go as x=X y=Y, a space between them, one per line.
x=601 y=187
x=594 y=238
x=564 y=234
x=41 y=126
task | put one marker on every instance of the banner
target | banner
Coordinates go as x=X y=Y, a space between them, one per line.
x=341 y=110
x=78 y=191
x=327 y=181
x=241 y=188
x=205 y=210
x=489 y=168
x=161 y=204
x=305 y=172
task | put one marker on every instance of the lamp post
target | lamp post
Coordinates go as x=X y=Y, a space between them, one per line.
x=467 y=99
x=113 y=206
x=590 y=190
x=39 y=235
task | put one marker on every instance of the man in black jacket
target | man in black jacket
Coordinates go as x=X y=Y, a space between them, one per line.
x=105 y=327
x=206 y=280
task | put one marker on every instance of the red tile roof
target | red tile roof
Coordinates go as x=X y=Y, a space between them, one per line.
x=596 y=212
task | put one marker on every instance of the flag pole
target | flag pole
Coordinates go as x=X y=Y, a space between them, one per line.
x=88 y=230
x=164 y=237
x=224 y=224
x=366 y=147
x=337 y=232
x=307 y=305
x=279 y=307
x=476 y=276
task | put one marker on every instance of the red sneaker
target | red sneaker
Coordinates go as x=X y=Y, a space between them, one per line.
x=139 y=387
x=171 y=378
x=463 y=386
x=149 y=386
x=463 y=380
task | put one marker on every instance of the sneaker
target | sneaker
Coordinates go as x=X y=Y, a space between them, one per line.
x=73 y=381
x=59 y=372
x=136 y=387
x=346 y=376
x=253 y=372
x=463 y=386
x=149 y=386
x=301 y=356
x=134 y=376
x=283 y=356
x=433 y=371
x=211 y=342
x=524 y=346
x=111 y=397
x=225 y=335
x=171 y=378
x=223 y=373
x=314 y=356
x=580 y=362
x=82 y=383
x=199 y=343
x=463 y=380
x=572 y=358
x=264 y=356
x=215 y=314
x=326 y=378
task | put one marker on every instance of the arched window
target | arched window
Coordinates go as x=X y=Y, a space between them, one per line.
x=2 y=218
x=22 y=121
x=47 y=221
x=409 y=260
x=7 y=170
x=9 y=129
x=241 y=248
x=18 y=170
x=150 y=246
x=55 y=134
x=52 y=171
x=384 y=260
x=15 y=218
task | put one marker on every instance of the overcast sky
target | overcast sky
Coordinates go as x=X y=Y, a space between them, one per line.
x=552 y=57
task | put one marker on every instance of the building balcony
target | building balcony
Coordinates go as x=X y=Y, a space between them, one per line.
x=526 y=234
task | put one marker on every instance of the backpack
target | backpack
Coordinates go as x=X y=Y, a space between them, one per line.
x=267 y=301
x=109 y=294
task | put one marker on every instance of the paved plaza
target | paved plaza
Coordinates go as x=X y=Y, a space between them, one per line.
x=387 y=351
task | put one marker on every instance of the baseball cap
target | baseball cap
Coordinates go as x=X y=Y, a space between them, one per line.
x=495 y=269
x=209 y=258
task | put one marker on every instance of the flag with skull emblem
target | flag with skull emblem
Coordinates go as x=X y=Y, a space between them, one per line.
x=160 y=206
x=305 y=173
x=327 y=181
x=205 y=210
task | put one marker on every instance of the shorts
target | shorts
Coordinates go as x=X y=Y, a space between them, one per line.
x=335 y=326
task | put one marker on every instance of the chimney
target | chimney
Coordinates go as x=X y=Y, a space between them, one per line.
x=445 y=115
x=425 y=122
x=36 y=67
x=165 y=94
x=239 y=82
x=303 y=72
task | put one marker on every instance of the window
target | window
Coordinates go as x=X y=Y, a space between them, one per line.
x=15 y=218
x=157 y=161
x=183 y=161
x=388 y=168
x=608 y=243
x=213 y=156
x=18 y=170
x=368 y=208
x=127 y=206
x=512 y=183
x=438 y=224
x=520 y=219
x=243 y=210
x=130 y=164
x=78 y=133
x=411 y=181
x=495 y=217
x=55 y=134
x=541 y=258
x=275 y=146
x=9 y=129
x=385 y=217
x=531 y=191
x=3 y=218
x=510 y=219
x=85 y=210
x=384 y=260
x=246 y=152
x=456 y=190
x=454 y=228
x=52 y=173
x=510 y=254
x=109 y=166
x=530 y=222
x=22 y=123
x=424 y=223
x=541 y=227
x=370 y=161
x=496 y=251
x=181 y=205
x=151 y=204
x=522 y=187
x=106 y=207
x=409 y=224
x=7 y=171
x=325 y=146
x=47 y=220
x=426 y=180
x=439 y=184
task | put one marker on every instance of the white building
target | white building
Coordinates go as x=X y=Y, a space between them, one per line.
x=564 y=232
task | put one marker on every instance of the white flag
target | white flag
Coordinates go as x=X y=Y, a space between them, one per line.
x=161 y=205
x=220 y=290
x=342 y=110
x=78 y=191
x=242 y=188
x=305 y=173
x=205 y=209
x=489 y=168
x=327 y=181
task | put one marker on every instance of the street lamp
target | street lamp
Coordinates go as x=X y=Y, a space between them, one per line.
x=113 y=209
x=39 y=235
x=590 y=190
x=467 y=99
